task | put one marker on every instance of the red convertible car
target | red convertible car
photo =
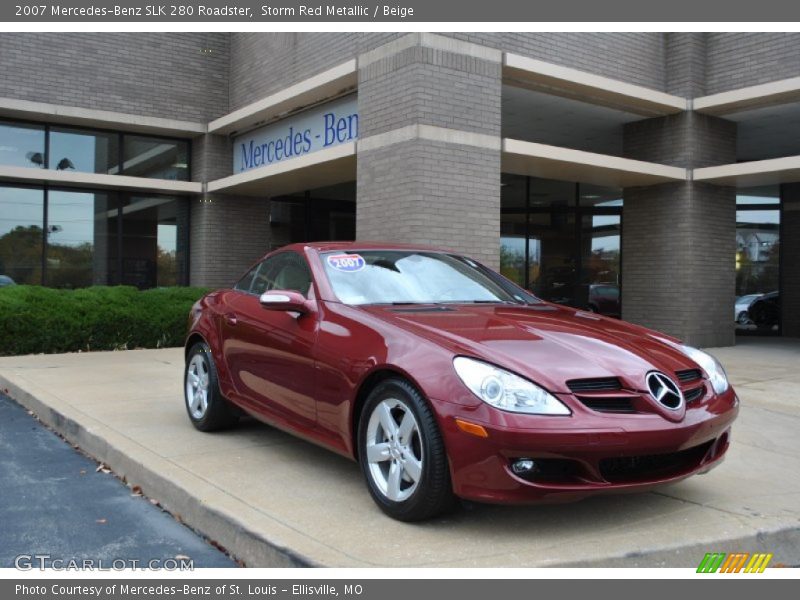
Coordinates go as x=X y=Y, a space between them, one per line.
x=442 y=379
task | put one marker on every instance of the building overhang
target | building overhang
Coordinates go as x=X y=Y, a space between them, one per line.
x=750 y=174
x=329 y=84
x=565 y=164
x=594 y=89
x=98 y=119
x=309 y=171
x=97 y=181
x=773 y=93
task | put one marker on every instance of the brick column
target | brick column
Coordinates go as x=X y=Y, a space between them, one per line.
x=679 y=239
x=686 y=53
x=790 y=260
x=429 y=149
x=227 y=233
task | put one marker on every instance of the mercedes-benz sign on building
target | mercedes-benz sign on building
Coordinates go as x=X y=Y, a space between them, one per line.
x=649 y=175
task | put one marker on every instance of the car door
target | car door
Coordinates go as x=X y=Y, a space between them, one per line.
x=269 y=353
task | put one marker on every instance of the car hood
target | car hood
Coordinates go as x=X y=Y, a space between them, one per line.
x=547 y=343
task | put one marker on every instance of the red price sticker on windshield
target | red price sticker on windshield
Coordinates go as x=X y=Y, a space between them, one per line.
x=348 y=263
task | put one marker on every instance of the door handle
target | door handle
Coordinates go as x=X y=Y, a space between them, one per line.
x=231 y=319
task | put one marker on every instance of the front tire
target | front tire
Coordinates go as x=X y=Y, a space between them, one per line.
x=402 y=454
x=207 y=408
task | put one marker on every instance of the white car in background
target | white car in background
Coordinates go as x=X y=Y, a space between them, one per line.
x=741 y=306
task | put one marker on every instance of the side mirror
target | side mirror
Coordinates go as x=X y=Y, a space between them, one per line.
x=286 y=300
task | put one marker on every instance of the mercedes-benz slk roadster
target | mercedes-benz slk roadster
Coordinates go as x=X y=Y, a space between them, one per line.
x=444 y=380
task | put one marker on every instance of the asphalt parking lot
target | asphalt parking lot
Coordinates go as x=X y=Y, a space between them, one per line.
x=276 y=501
x=56 y=503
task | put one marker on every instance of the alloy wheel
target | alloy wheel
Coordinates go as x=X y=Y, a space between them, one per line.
x=394 y=450
x=197 y=381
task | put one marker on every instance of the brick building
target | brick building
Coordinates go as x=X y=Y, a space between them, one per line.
x=613 y=171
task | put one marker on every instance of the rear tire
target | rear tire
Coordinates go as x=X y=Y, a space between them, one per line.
x=402 y=454
x=207 y=408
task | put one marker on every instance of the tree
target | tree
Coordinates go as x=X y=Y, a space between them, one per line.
x=21 y=254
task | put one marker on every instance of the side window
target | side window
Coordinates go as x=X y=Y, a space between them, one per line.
x=243 y=285
x=285 y=271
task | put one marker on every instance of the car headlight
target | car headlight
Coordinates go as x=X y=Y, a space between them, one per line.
x=505 y=390
x=716 y=373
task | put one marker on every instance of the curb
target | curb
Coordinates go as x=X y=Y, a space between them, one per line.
x=783 y=543
x=230 y=533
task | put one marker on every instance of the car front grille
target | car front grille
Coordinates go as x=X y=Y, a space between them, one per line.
x=688 y=375
x=600 y=384
x=598 y=394
x=651 y=467
x=694 y=394
x=608 y=405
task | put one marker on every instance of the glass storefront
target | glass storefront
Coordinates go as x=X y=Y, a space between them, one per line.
x=155 y=157
x=21 y=233
x=65 y=148
x=71 y=238
x=153 y=241
x=561 y=240
x=758 y=218
x=22 y=145
x=77 y=238
x=758 y=222
x=319 y=215
x=85 y=151
x=78 y=249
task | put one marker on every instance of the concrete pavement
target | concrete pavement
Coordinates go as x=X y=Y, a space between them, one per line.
x=273 y=500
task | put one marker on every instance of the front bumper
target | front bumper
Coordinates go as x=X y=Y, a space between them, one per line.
x=585 y=454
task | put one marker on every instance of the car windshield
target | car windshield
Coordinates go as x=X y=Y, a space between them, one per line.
x=415 y=277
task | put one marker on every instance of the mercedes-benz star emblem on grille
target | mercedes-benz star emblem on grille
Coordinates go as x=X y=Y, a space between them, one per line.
x=665 y=391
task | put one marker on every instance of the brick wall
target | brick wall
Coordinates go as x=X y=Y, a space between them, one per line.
x=227 y=234
x=422 y=190
x=679 y=239
x=686 y=63
x=737 y=60
x=431 y=193
x=632 y=57
x=428 y=86
x=686 y=139
x=264 y=63
x=171 y=75
x=678 y=245
x=211 y=157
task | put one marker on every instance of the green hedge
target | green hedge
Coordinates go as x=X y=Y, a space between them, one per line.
x=36 y=319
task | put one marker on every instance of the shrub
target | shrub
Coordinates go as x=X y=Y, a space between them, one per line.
x=36 y=319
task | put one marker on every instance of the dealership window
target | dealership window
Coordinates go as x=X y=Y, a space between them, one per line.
x=155 y=157
x=757 y=240
x=81 y=227
x=69 y=238
x=21 y=233
x=153 y=241
x=758 y=264
x=321 y=214
x=22 y=145
x=80 y=150
x=66 y=148
x=561 y=240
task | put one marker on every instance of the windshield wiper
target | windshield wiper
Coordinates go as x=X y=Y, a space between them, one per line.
x=407 y=303
x=480 y=302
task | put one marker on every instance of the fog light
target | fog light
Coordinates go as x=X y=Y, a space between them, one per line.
x=523 y=466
